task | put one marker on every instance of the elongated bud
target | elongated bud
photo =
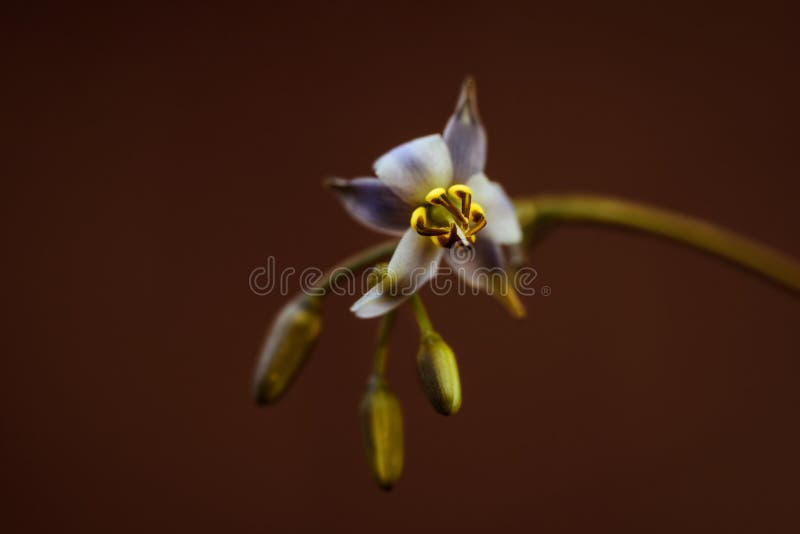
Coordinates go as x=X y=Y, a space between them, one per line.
x=467 y=105
x=382 y=427
x=438 y=372
x=290 y=341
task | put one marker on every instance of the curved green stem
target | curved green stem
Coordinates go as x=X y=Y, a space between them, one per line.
x=382 y=350
x=421 y=314
x=540 y=212
x=365 y=258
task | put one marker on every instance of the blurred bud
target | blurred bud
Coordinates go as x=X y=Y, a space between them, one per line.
x=377 y=274
x=290 y=341
x=467 y=105
x=511 y=301
x=438 y=372
x=382 y=426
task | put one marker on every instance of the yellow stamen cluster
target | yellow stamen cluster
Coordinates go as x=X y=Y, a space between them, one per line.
x=464 y=221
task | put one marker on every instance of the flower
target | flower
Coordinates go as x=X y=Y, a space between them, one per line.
x=432 y=191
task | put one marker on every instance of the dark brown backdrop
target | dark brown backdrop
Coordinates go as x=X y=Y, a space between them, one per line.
x=154 y=157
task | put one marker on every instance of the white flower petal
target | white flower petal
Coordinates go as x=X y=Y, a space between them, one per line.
x=414 y=262
x=373 y=204
x=502 y=225
x=465 y=135
x=412 y=169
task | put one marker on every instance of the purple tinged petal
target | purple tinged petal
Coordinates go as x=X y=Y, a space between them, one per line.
x=479 y=264
x=372 y=203
x=483 y=266
x=465 y=135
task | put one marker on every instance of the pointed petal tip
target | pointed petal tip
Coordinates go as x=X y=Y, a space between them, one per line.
x=469 y=86
x=371 y=304
x=333 y=182
x=363 y=310
x=514 y=305
x=467 y=106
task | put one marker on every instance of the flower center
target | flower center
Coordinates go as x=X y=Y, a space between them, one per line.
x=445 y=222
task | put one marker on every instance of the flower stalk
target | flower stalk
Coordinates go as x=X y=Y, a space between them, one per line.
x=421 y=314
x=544 y=212
x=382 y=350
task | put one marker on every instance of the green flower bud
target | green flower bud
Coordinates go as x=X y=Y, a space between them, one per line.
x=438 y=372
x=290 y=341
x=382 y=427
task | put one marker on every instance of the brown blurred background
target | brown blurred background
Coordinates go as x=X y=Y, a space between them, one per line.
x=152 y=158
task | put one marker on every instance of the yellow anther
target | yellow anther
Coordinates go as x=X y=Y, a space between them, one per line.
x=438 y=197
x=477 y=218
x=435 y=196
x=445 y=240
x=476 y=212
x=419 y=218
x=463 y=193
x=464 y=223
x=459 y=190
x=419 y=222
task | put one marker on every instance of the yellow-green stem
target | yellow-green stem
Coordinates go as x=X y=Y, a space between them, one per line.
x=382 y=350
x=365 y=258
x=423 y=320
x=538 y=212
